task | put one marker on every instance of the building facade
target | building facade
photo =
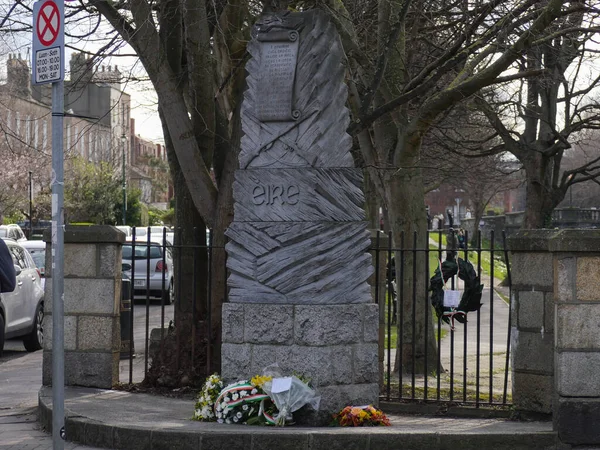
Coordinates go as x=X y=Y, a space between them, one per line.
x=97 y=125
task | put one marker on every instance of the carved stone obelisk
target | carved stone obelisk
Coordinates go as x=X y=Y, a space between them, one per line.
x=297 y=251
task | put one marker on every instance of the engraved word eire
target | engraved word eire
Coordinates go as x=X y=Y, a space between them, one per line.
x=273 y=193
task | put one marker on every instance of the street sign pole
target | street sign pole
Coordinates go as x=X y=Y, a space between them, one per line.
x=58 y=332
x=48 y=67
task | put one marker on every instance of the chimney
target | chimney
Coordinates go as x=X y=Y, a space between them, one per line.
x=81 y=70
x=18 y=76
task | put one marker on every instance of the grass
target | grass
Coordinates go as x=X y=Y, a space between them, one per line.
x=500 y=271
x=394 y=329
x=457 y=393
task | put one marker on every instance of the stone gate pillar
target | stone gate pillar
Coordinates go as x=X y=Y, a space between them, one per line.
x=556 y=340
x=92 y=295
x=297 y=255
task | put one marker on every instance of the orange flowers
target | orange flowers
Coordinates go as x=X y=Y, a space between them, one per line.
x=360 y=416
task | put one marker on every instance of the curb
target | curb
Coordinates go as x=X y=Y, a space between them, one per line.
x=88 y=431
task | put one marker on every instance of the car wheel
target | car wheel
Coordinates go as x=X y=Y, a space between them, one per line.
x=171 y=297
x=35 y=340
x=1 y=335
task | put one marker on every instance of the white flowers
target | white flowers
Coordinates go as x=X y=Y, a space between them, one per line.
x=253 y=392
x=235 y=396
x=245 y=407
x=243 y=393
x=210 y=391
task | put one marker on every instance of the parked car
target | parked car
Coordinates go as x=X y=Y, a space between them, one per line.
x=159 y=263
x=12 y=231
x=22 y=310
x=125 y=229
x=37 y=250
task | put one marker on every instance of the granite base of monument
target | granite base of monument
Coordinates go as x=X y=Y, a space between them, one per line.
x=335 y=346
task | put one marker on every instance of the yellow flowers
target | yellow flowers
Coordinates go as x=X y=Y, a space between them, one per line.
x=259 y=380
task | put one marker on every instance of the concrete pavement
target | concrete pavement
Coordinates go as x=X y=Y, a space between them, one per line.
x=122 y=420
x=20 y=379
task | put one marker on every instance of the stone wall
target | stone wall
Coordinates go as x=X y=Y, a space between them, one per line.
x=336 y=346
x=532 y=326
x=92 y=292
x=556 y=345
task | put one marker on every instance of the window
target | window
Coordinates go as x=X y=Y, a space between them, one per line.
x=18 y=256
x=28 y=129
x=141 y=251
x=44 y=134
x=35 y=132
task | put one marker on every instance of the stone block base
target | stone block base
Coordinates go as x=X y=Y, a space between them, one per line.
x=532 y=392
x=335 y=346
x=576 y=421
x=90 y=369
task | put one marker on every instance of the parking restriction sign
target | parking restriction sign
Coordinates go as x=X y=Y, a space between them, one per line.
x=48 y=41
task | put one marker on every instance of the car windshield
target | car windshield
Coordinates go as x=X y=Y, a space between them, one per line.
x=39 y=257
x=141 y=252
x=3 y=232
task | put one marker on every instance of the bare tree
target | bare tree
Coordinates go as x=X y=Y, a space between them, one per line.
x=428 y=58
x=540 y=117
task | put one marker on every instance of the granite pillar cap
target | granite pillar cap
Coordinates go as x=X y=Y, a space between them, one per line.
x=86 y=234
x=555 y=241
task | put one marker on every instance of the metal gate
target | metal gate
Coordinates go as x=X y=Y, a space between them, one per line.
x=470 y=364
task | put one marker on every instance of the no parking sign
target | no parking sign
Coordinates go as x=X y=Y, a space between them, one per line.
x=48 y=41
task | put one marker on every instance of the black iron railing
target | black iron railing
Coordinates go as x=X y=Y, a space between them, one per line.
x=471 y=364
x=155 y=296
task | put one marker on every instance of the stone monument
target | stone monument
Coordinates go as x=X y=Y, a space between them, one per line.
x=297 y=251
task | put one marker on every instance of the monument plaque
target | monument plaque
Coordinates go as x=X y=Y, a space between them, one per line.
x=278 y=69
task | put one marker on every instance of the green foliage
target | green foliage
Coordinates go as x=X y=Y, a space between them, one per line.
x=15 y=217
x=155 y=216
x=144 y=222
x=135 y=210
x=168 y=217
x=91 y=191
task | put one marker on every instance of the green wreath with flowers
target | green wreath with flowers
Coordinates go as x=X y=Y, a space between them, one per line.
x=471 y=297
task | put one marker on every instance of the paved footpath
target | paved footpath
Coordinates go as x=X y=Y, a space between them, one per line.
x=20 y=381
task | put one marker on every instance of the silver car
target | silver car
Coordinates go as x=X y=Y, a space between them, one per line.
x=22 y=310
x=161 y=267
x=37 y=250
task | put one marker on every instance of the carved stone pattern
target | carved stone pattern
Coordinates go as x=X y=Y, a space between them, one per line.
x=299 y=263
x=318 y=138
x=298 y=195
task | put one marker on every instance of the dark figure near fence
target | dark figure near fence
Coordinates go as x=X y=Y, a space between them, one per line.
x=461 y=238
x=8 y=278
x=450 y=219
x=393 y=294
x=428 y=217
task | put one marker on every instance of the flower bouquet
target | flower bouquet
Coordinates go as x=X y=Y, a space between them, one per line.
x=266 y=399
x=204 y=409
x=245 y=402
x=360 y=416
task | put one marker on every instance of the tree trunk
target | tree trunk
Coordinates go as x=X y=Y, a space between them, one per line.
x=541 y=197
x=407 y=216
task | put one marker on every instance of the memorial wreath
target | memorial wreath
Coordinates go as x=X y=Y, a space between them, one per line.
x=471 y=297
